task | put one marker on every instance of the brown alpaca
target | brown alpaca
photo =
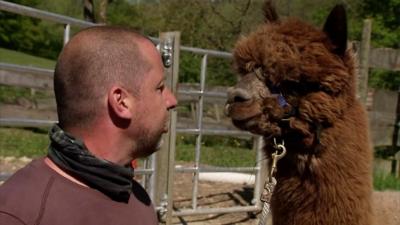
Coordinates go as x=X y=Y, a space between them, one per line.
x=298 y=84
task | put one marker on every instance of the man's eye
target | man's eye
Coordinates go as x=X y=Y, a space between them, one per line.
x=161 y=88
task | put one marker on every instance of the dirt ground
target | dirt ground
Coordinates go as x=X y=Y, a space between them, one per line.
x=213 y=195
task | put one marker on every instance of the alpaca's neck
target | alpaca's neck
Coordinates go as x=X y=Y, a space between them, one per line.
x=331 y=186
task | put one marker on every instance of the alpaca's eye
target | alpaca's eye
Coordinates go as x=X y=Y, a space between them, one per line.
x=299 y=88
x=292 y=88
x=273 y=88
x=242 y=71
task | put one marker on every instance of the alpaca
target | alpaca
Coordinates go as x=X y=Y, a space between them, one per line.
x=297 y=84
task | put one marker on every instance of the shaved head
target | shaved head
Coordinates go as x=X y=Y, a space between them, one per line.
x=92 y=62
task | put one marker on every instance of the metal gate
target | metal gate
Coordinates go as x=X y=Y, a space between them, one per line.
x=157 y=175
x=165 y=202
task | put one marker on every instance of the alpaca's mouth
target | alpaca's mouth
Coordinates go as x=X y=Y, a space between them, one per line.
x=259 y=125
x=242 y=111
x=244 y=115
x=250 y=117
x=247 y=124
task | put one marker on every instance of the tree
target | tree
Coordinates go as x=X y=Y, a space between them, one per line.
x=209 y=24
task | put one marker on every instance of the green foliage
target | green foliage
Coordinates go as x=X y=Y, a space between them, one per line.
x=220 y=72
x=203 y=24
x=386 y=21
x=189 y=68
x=121 y=13
x=384 y=35
x=385 y=17
x=72 y=8
x=384 y=79
x=35 y=36
x=385 y=152
x=30 y=35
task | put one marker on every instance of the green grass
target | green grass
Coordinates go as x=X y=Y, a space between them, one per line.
x=218 y=155
x=10 y=94
x=384 y=181
x=23 y=142
x=14 y=57
x=33 y=143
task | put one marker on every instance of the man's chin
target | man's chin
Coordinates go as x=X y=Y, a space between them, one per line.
x=153 y=148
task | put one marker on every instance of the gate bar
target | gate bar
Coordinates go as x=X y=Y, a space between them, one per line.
x=198 y=211
x=200 y=127
x=67 y=31
x=216 y=169
x=210 y=52
x=258 y=145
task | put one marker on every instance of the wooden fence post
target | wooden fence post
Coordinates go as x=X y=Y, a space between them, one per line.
x=165 y=158
x=395 y=135
x=364 y=61
x=397 y=159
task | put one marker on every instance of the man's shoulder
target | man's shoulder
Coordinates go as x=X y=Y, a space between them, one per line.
x=21 y=195
x=32 y=176
x=38 y=193
x=10 y=219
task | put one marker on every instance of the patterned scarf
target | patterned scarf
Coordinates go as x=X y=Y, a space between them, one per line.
x=72 y=156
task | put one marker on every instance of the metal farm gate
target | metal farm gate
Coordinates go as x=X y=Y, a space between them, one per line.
x=199 y=130
x=157 y=172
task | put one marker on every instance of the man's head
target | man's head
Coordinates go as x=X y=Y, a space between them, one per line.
x=93 y=61
x=113 y=74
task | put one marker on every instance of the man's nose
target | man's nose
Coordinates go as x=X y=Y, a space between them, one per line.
x=171 y=100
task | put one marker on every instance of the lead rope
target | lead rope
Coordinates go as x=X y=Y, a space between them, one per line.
x=266 y=196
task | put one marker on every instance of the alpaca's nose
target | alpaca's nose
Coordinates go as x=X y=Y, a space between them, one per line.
x=237 y=95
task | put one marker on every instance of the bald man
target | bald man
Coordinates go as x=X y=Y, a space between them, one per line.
x=112 y=106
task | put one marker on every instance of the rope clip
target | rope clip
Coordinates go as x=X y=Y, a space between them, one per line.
x=276 y=156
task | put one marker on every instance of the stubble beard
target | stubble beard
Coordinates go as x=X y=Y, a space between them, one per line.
x=148 y=143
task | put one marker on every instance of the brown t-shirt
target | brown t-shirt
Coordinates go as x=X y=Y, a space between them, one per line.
x=37 y=195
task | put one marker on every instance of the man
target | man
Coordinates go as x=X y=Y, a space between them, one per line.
x=112 y=107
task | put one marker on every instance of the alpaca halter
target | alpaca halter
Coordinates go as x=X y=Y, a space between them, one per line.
x=276 y=92
x=270 y=184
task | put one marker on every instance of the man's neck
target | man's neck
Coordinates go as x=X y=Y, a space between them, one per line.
x=58 y=170
x=108 y=144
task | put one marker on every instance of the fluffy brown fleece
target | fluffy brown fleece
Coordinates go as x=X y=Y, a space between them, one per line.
x=325 y=178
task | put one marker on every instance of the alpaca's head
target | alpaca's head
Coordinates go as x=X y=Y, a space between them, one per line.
x=293 y=78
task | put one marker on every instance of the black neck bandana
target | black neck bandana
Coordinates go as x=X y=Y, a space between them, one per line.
x=71 y=155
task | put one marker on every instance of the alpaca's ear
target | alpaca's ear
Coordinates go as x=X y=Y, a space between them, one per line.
x=270 y=15
x=336 y=29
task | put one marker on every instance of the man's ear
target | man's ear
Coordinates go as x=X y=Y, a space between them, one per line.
x=121 y=102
